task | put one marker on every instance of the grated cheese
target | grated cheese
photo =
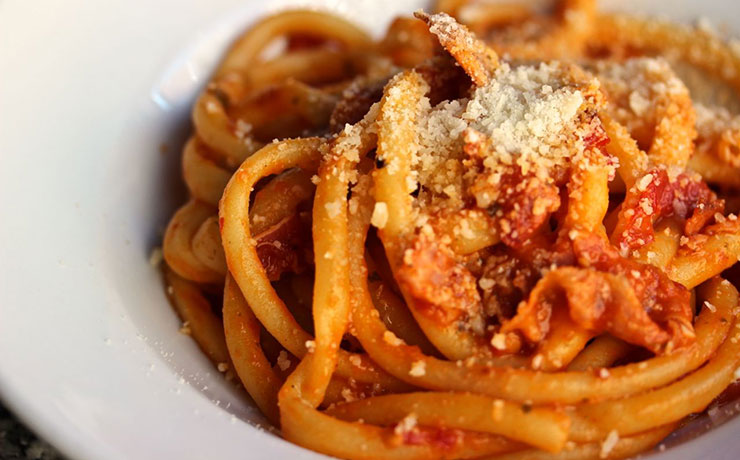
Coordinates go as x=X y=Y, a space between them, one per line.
x=380 y=215
x=185 y=329
x=609 y=443
x=406 y=425
x=639 y=103
x=498 y=410
x=283 y=361
x=418 y=369
x=156 y=257
x=333 y=208
x=391 y=339
x=499 y=341
x=353 y=205
x=347 y=395
x=705 y=25
x=212 y=107
x=243 y=129
x=522 y=114
x=537 y=361
x=529 y=114
x=638 y=88
x=646 y=206
x=486 y=283
x=645 y=182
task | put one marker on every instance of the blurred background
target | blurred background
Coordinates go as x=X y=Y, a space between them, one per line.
x=16 y=442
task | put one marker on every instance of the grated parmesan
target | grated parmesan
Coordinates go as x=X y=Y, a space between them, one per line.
x=156 y=257
x=537 y=361
x=638 y=89
x=347 y=395
x=530 y=116
x=498 y=341
x=391 y=339
x=283 y=361
x=705 y=25
x=333 y=208
x=380 y=215
x=646 y=206
x=243 y=129
x=185 y=328
x=609 y=444
x=645 y=182
x=639 y=103
x=498 y=410
x=212 y=107
x=418 y=369
x=523 y=114
x=486 y=283
x=355 y=360
x=405 y=425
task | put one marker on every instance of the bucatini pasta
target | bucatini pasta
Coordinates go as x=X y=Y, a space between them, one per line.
x=495 y=233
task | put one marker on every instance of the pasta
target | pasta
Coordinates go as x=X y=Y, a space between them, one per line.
x=495 y=233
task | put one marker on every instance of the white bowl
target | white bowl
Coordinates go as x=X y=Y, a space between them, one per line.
x=90 y=354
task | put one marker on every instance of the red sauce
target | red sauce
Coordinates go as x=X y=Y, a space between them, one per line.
x=441 y=287
x=684 y=197
x=668 y=304
x=605 y=292
x=526 y=205
x=596 y=137
x=440 y=438
x=278 y=247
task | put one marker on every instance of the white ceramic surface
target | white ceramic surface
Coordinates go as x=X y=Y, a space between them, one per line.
x=90 y=355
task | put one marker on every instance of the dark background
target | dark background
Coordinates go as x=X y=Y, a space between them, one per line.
x=17 y=443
